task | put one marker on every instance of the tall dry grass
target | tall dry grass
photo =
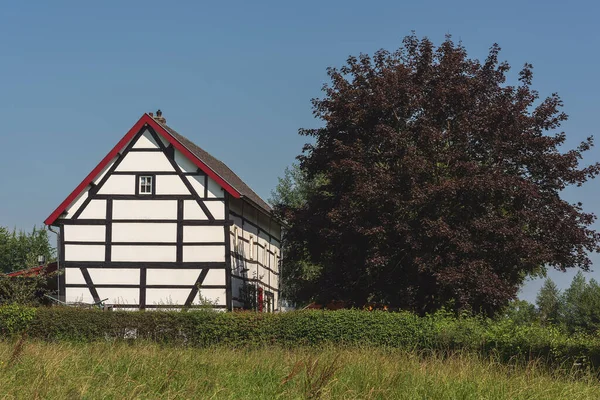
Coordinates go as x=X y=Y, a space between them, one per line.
x=144 y=370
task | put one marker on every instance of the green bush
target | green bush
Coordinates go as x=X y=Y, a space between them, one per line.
x=15 y=319
x=504 y=339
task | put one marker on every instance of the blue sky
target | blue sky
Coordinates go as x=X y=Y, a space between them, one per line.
x=237 y=78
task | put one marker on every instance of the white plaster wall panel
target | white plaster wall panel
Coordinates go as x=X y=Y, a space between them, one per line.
x=145 y=161
x=167 y=296
x=76 y=204
x=96 y=209
x=170 y=184
x=274 y=281
x=219 y=296
x=197 y=183
x=102 y=276
x=144 y=232
x=74 y=276
x=171 y=276
x=203 y=253
x=78 y=252
x=191 y=210
x=99 y=177
x=144 y=253
x=85 y=233
x=78 y=295
x=203 y=234
x=215 y=277
x=216 y=208
x=184 y=163
x=117 y=295
x=214 y=189
x=146 y=141
x=144 y=209
x=119 y=184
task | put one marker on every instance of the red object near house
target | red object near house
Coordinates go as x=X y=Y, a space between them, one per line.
x=261 y=300
x=41 y=270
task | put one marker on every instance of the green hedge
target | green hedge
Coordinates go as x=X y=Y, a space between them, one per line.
x=439 y=332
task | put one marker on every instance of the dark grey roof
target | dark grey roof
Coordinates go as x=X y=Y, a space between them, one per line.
x=220 y=169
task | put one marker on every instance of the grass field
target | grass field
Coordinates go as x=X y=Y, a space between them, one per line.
x=30 y=370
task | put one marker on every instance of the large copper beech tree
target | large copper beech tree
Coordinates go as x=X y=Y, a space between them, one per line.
x=439 y=184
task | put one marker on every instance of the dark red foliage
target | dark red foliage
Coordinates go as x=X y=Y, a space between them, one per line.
x=441 y=183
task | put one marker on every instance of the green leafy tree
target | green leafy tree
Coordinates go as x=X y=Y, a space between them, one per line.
x=299 y=272
x=572 y=301
x=20 y=250
x=440 y=183
x=581 y=305
x=548 y=302
x=521 y=312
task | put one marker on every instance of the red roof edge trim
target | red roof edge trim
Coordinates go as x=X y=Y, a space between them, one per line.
x=145 y=119
x=205 y=168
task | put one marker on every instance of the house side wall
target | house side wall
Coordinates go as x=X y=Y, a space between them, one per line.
x=141 y=250
x=255 y=248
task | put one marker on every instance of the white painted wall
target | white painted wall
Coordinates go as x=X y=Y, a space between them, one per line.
x=144 y=253
x=76 y=204
x=101 y=276
x=216 y=208
x=145 y=209
x=170 y=184
x=203 y=234
x=85 y=233
x=203 y=253
x=215 y=277
x=145 y=161
x=191 y=210
x=96 y=209
x=183 y=162
x=144 y=232
x=73 y=276
x=156 y=276
x=146 y=141
x=116 y=295
x=78 y=252
x=99 y=177
x=197 y=183
x=119 y=184
x=214 y=189
x=78 y=295
x=166 y=296
x=213 y=295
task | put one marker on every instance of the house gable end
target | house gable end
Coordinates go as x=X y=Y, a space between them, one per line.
x=145 y=135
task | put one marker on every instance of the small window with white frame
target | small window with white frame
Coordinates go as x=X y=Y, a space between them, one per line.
x=145 y=184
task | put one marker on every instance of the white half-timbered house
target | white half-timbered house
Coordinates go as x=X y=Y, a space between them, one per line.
x=160 y=223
